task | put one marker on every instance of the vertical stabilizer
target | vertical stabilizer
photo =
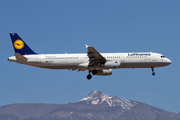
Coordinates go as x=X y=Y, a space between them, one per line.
x=20 y=46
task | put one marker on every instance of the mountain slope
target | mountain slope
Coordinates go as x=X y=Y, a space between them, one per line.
x=95 y=106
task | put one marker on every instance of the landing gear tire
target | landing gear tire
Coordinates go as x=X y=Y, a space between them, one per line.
x=153 y=73
x=89 y=76
x=94 y=72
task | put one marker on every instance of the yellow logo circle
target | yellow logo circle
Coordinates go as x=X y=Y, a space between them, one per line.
x=18 y=44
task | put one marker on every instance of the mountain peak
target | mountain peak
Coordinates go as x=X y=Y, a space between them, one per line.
x=97 y=97
x=96 y=93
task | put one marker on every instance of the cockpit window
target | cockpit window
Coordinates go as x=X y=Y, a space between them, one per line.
x=162 y=56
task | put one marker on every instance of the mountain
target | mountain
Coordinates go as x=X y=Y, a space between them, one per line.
x=95 y=106
x=97 y=97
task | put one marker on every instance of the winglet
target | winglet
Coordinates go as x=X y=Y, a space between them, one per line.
x=86 y=46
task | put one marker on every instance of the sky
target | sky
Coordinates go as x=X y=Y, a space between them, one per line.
x=61 y=26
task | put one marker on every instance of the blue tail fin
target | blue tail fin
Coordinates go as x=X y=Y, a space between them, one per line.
x=20 y=46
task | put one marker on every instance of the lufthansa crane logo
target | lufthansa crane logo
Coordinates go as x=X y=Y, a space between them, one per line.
x=18 y=44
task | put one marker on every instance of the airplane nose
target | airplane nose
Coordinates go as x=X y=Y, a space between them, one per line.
x=168 y=61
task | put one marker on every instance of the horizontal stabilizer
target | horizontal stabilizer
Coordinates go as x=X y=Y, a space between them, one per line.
x=19 y=56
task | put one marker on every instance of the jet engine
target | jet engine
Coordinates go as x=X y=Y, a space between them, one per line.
x=104 y=72
x=111 y=64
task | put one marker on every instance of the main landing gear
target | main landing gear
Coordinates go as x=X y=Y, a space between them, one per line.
x=89 y=76
x=153 y=73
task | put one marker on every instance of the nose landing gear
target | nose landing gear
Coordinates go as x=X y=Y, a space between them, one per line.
x=153 y=73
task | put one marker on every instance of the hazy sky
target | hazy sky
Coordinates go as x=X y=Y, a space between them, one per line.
x=59 y=26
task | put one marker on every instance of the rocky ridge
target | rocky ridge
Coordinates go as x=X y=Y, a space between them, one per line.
x=97 y=97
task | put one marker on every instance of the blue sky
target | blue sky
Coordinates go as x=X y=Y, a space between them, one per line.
x=109 y=26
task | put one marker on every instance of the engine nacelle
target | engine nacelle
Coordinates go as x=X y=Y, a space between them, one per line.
x=104 y=72
x=111 y=64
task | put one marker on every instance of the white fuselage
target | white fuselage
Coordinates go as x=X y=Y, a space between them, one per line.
x=81 y=61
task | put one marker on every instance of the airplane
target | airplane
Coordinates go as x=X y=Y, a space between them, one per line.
x=96 y=63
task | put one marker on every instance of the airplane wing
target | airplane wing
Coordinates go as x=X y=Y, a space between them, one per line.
x=94 y=56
